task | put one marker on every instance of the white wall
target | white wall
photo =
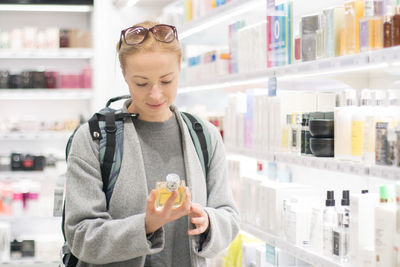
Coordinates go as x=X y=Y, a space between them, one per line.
x=108 y=21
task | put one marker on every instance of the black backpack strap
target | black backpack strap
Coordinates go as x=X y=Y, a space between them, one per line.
x=114 y=99
x=110 y=149
x=198 y=128
x=94 y=127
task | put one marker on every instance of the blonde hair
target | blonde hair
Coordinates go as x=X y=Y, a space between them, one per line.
x=150 y=44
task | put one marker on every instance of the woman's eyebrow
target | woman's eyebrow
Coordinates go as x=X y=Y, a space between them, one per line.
x=138 y=76
x=167 y=74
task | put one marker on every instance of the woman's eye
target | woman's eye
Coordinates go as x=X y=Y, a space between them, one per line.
x=141 y=84
x=166 y=82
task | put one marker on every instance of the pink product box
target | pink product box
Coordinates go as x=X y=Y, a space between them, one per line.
x=82 y=80
x=70 y=81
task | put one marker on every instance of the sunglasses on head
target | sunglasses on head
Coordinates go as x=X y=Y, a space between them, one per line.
x=137 y=34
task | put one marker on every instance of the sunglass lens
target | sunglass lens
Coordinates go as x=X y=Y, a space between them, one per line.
x=135 y=35
x=164 y=33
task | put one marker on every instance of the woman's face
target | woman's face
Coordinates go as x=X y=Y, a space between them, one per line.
x=152 y=78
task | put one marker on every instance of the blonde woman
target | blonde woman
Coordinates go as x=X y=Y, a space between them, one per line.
x=131 y=231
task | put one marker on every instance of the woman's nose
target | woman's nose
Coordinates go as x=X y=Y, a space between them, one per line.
x=155 y=92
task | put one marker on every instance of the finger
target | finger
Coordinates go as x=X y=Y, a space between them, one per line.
x=198 y=220
x=196 y=231
x=196 y=210
x=187 y=202
x=171 y=200
x=151 y=200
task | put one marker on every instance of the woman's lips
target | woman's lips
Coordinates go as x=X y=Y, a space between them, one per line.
x=155 y=106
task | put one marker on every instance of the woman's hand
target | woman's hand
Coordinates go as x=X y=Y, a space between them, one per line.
x=155 y=219
x=199 y=217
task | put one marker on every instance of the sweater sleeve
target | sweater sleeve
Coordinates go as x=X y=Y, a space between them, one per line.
x=221 y=209
x=92 y=234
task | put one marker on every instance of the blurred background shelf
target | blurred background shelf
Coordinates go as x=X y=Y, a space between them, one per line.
x=60 y=53
x=46 y=94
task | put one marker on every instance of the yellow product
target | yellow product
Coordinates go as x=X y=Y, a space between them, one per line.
x=233 y=257
x=166 y=188
x=357 y=135
x=188 y=10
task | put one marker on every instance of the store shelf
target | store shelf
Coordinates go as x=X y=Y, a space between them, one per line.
x=217 y=16
x=331 y=164
x=325 y=67
x=46 y=94
x=28 y=218
x=51 y=53
x=47 y=8
x=298 y=252
x=30 y=262
x=35 y=135
x=48 y=172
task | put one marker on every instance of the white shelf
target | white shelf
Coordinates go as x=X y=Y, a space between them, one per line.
x=325 y=67
x=28 y=218
x=331 y=164
x=217 y=16
x=298 y=252
x=46 y=8
x=51 y=53
x=35 y=135
x=46 y=94
x=48 y=172
x=30 y=262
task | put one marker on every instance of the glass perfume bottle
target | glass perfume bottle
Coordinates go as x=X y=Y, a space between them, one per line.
x=371 y=28
x=387 y=31
x=166 y=188
x=396 y=27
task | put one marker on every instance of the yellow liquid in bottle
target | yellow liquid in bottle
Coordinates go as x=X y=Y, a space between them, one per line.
x=163 y=194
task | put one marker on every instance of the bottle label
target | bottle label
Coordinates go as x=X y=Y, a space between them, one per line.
x=336 y=243
x=357 y=135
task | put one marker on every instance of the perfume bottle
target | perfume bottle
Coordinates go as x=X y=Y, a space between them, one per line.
x=166 y=188
x=396 y=27
x=387 y=31
x=341 y=232
x=329 y=222
x=371 y=28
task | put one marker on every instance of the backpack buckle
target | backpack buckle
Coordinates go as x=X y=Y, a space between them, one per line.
x=197 y=127
x=110 y=129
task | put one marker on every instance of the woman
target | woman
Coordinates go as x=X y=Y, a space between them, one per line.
x=132 y=232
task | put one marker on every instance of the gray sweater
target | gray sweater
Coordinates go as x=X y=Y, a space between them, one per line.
x=117 y=237
x=161 y=144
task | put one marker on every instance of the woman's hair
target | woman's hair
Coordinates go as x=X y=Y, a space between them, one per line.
x=150 y=44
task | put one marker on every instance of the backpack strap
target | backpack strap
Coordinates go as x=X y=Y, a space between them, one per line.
x=108 y=159
x=201 y=139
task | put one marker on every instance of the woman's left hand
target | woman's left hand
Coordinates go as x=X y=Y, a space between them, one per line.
x=199 y=217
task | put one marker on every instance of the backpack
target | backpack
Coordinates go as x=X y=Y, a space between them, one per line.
x=107 y=127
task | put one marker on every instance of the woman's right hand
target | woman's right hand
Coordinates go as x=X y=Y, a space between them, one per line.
x=155 y=219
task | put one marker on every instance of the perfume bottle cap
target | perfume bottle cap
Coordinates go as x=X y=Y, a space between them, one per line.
x=364 y=191
x=330 y=199
x=346 y=198
x=289 y=119
x=172 y=181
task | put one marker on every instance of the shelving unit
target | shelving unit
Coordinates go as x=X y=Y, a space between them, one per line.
x=382 y=58
x=30 y=262
x=55 y=53
x=46 y=94
x=298 y=252
x=35 y=135
x=217 y=16
x=329 y=164
x=47 y=8
x=37 y=106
